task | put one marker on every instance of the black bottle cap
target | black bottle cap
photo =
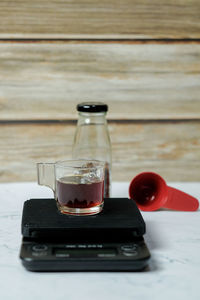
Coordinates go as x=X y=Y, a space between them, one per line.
x=92 y=107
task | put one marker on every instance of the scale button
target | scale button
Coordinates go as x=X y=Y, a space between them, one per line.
x=132 y=253
x=129 y=248
x=39 y=248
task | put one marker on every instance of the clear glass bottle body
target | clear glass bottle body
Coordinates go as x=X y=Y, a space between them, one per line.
x=92 y=141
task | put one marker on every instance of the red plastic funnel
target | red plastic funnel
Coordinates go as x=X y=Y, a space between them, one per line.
x=150 y=192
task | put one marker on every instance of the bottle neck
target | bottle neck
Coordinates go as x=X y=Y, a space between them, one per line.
x=92 y=118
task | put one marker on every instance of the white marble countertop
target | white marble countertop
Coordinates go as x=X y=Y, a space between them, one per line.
x=172 y=237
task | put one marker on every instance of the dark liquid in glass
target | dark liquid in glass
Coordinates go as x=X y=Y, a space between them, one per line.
x=74 y=194
x=107 y=181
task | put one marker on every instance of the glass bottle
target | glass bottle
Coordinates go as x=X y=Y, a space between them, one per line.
x=91 y=140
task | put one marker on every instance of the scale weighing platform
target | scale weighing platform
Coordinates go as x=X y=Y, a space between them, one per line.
x=109 y=241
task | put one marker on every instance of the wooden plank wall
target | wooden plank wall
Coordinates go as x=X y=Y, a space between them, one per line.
x=140 y=57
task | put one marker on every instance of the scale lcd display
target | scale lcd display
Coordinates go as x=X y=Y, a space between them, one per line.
x=84 y=252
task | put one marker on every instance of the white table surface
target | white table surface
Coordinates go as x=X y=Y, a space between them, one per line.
x=172 y=237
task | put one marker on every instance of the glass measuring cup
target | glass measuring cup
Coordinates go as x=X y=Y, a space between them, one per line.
x=78 y=185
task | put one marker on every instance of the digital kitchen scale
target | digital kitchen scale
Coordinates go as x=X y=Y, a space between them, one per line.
x=109 y=241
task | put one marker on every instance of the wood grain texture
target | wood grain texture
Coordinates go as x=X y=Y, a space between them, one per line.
x=107 y=19
x=138 y=81
x=172 y=149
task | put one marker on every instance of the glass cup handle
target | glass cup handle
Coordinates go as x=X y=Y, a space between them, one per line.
x=46 y=175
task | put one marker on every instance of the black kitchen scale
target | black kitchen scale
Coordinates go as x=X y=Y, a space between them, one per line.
x=109 y=241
